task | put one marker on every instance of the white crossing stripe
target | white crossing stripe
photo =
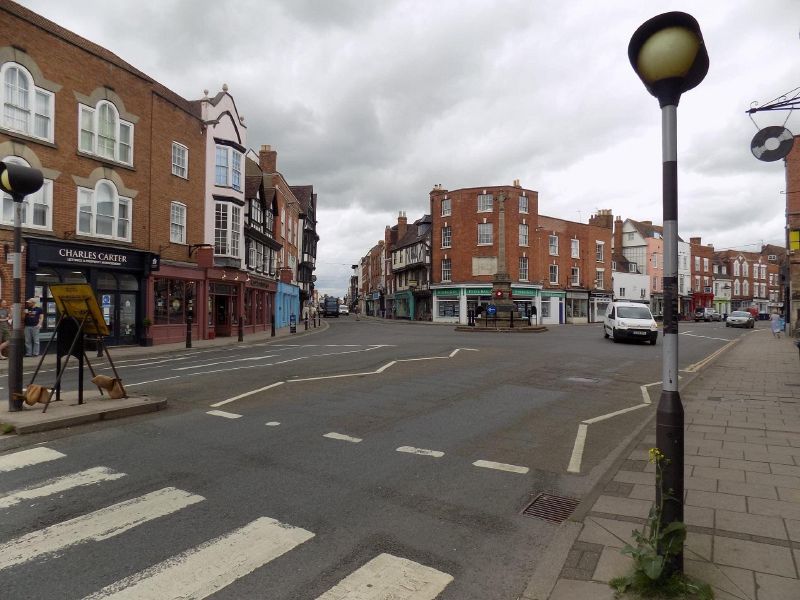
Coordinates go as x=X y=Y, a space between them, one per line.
x=95 y=526
x=487 y=464
x=387 y=576
x=273 y=423
x=422 y=451
x=27 y=458
x=222 y=413
x=60 y=484
x=340 y=436
x=206 y=569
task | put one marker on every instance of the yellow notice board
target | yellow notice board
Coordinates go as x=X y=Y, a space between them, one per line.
x=78 y=300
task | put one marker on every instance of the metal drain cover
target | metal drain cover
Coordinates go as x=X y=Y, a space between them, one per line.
x=551 y=508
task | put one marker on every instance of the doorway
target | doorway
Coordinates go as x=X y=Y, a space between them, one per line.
x=222 y=321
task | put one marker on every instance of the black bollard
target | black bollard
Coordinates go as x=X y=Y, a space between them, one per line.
x=241 y=328
x=272 y=326
x=188 y=331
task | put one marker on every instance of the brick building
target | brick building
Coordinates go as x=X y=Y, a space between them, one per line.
x=755 y=280
x=701 y=263
x=556 y=266
x=124 y=164
x=792 y=283
x=408 y=281
x=373 y=281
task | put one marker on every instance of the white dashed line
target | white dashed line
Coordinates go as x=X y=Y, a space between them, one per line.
x=340 y=436
x=222 y=413
x=421 y=451
x=487 y=464
x=272 y=424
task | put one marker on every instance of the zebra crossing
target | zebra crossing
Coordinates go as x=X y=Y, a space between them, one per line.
x=196 y=572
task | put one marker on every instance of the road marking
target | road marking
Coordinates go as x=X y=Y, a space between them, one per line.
x=224 y=362
x=702 y=363
x=246 y=394
x=272 y=424
x=577 y=449
x=152 y=381
x=209 y=567
x=487 y=464
x=282 y=362
x=95 y=526
x=387 y=576
x=28 y=458
x=707 y=337
x=222 y=413
x=340 y=436
x=616 y=413
x=421 y=451
x=60 y=484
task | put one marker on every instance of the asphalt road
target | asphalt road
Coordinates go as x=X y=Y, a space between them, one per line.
x=360 y=441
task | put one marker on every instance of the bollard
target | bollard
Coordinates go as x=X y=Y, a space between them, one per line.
x=305 y=323
x=272 y=326
x=241 y=328
x=292 y=323
x=511 y=320
x=188 y=331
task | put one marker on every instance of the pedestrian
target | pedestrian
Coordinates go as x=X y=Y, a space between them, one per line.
x=776 y=325
x=5 y=328
x=33 y=323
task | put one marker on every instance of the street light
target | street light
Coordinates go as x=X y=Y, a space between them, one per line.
x=669 y=56
x=18 y=181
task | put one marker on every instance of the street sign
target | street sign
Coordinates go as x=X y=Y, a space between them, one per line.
x=491 y=310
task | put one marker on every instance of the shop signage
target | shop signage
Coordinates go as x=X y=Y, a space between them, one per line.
x=479 y=291
x=578 y=295
x=87 y=256
x=376 y=295
x=446 y=292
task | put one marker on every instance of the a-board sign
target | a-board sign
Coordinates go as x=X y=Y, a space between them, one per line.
x=79 y=301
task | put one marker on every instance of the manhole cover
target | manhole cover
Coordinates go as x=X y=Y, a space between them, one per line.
x=551 y=508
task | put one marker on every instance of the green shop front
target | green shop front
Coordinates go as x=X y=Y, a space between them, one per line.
x=451 y=304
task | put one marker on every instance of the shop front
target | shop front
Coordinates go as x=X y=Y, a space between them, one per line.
x=403 y=305
x=178 y=294
x=598 y=303
x=259 y=297
x=287 y=303
x=118 y=276
x=577 y=307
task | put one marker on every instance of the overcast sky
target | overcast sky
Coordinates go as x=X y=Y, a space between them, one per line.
x=374 y=102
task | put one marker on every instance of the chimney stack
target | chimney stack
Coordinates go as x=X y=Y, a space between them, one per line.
x=402 y=224
x=695 y=241
x=618 y=235
x=603 y=218
x=268 y=159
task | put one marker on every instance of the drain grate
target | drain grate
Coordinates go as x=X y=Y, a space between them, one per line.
x=551 y=508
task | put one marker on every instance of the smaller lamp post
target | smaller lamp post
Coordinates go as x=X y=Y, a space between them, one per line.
x=19 y=181
x=669 y=56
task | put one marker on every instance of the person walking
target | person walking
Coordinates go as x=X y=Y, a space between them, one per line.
x=776 y=325
x=33 y=323
x=5 y=328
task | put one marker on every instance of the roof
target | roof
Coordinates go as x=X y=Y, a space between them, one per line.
x=98 y=51
x=413 y=234
x=648 y=230
x=304 y=194
x=252 y=183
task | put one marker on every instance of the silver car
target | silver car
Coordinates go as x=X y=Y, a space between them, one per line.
x=740 y=318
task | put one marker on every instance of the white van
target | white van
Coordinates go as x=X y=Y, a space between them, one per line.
x=630 y=321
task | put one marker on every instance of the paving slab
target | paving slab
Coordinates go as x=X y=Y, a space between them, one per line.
x=772 y=587
x=570 y=589
x=763 y=558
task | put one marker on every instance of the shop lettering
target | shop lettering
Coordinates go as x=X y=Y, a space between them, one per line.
x=92 y=256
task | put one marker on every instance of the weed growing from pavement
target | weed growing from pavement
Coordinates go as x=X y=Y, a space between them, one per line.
x=651 y=576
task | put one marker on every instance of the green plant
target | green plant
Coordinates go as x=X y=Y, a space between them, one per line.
x=146 y=322
x=654 y=549
x=6 y=428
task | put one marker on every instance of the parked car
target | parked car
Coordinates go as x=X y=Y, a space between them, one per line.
x=740 y=318
x=629 y=320
x=343 y=310
x=707 y=314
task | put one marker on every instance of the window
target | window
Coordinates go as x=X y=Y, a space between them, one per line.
x=622 y=292
x=523 y=268
x=655 y=260
x=599 y=251
x=705 y=265
x=448 y=308
x=575 y=277
x=575 y=250
x=236 y=179
x=745 y=288
x=736 y=269
x=696 y=263
x=446 y=207
x=632 y=267
x=180 y=160
x=655 y=283
x=221 y=172
x=36 y=207
x=697 y=283
x=256 y=214
x=745 y=269
x=598 y=278
x=523 y=234
x=27 y=109
x=104 y=134
x=763 y=271
x=715 y=269
x=553 y=244
x=523 y=204
x=485 y=202
x=629 y=236
x=484 y=233
x=177 y=223
x=613 y=265
x=102 y=212
x=236 y=216
x=554 y=274
x=221 y=229
x=446 y=232
x=737 y=288
x=772 y=257
x=724 y=270
x=445 y=269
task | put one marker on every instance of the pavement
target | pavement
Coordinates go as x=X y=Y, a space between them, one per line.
x=96 y=407
x=742 y=487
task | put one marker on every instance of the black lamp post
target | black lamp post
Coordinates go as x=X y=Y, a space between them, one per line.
x=669 y=56
x=18 y=181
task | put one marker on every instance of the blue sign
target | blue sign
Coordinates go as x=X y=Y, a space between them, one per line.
x=491 y=310
x=106 y=300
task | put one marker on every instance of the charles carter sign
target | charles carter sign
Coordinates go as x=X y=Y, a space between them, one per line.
x=60 y=253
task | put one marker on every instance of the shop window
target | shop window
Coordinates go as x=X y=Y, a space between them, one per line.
x=448 y=308
x=173 y=299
